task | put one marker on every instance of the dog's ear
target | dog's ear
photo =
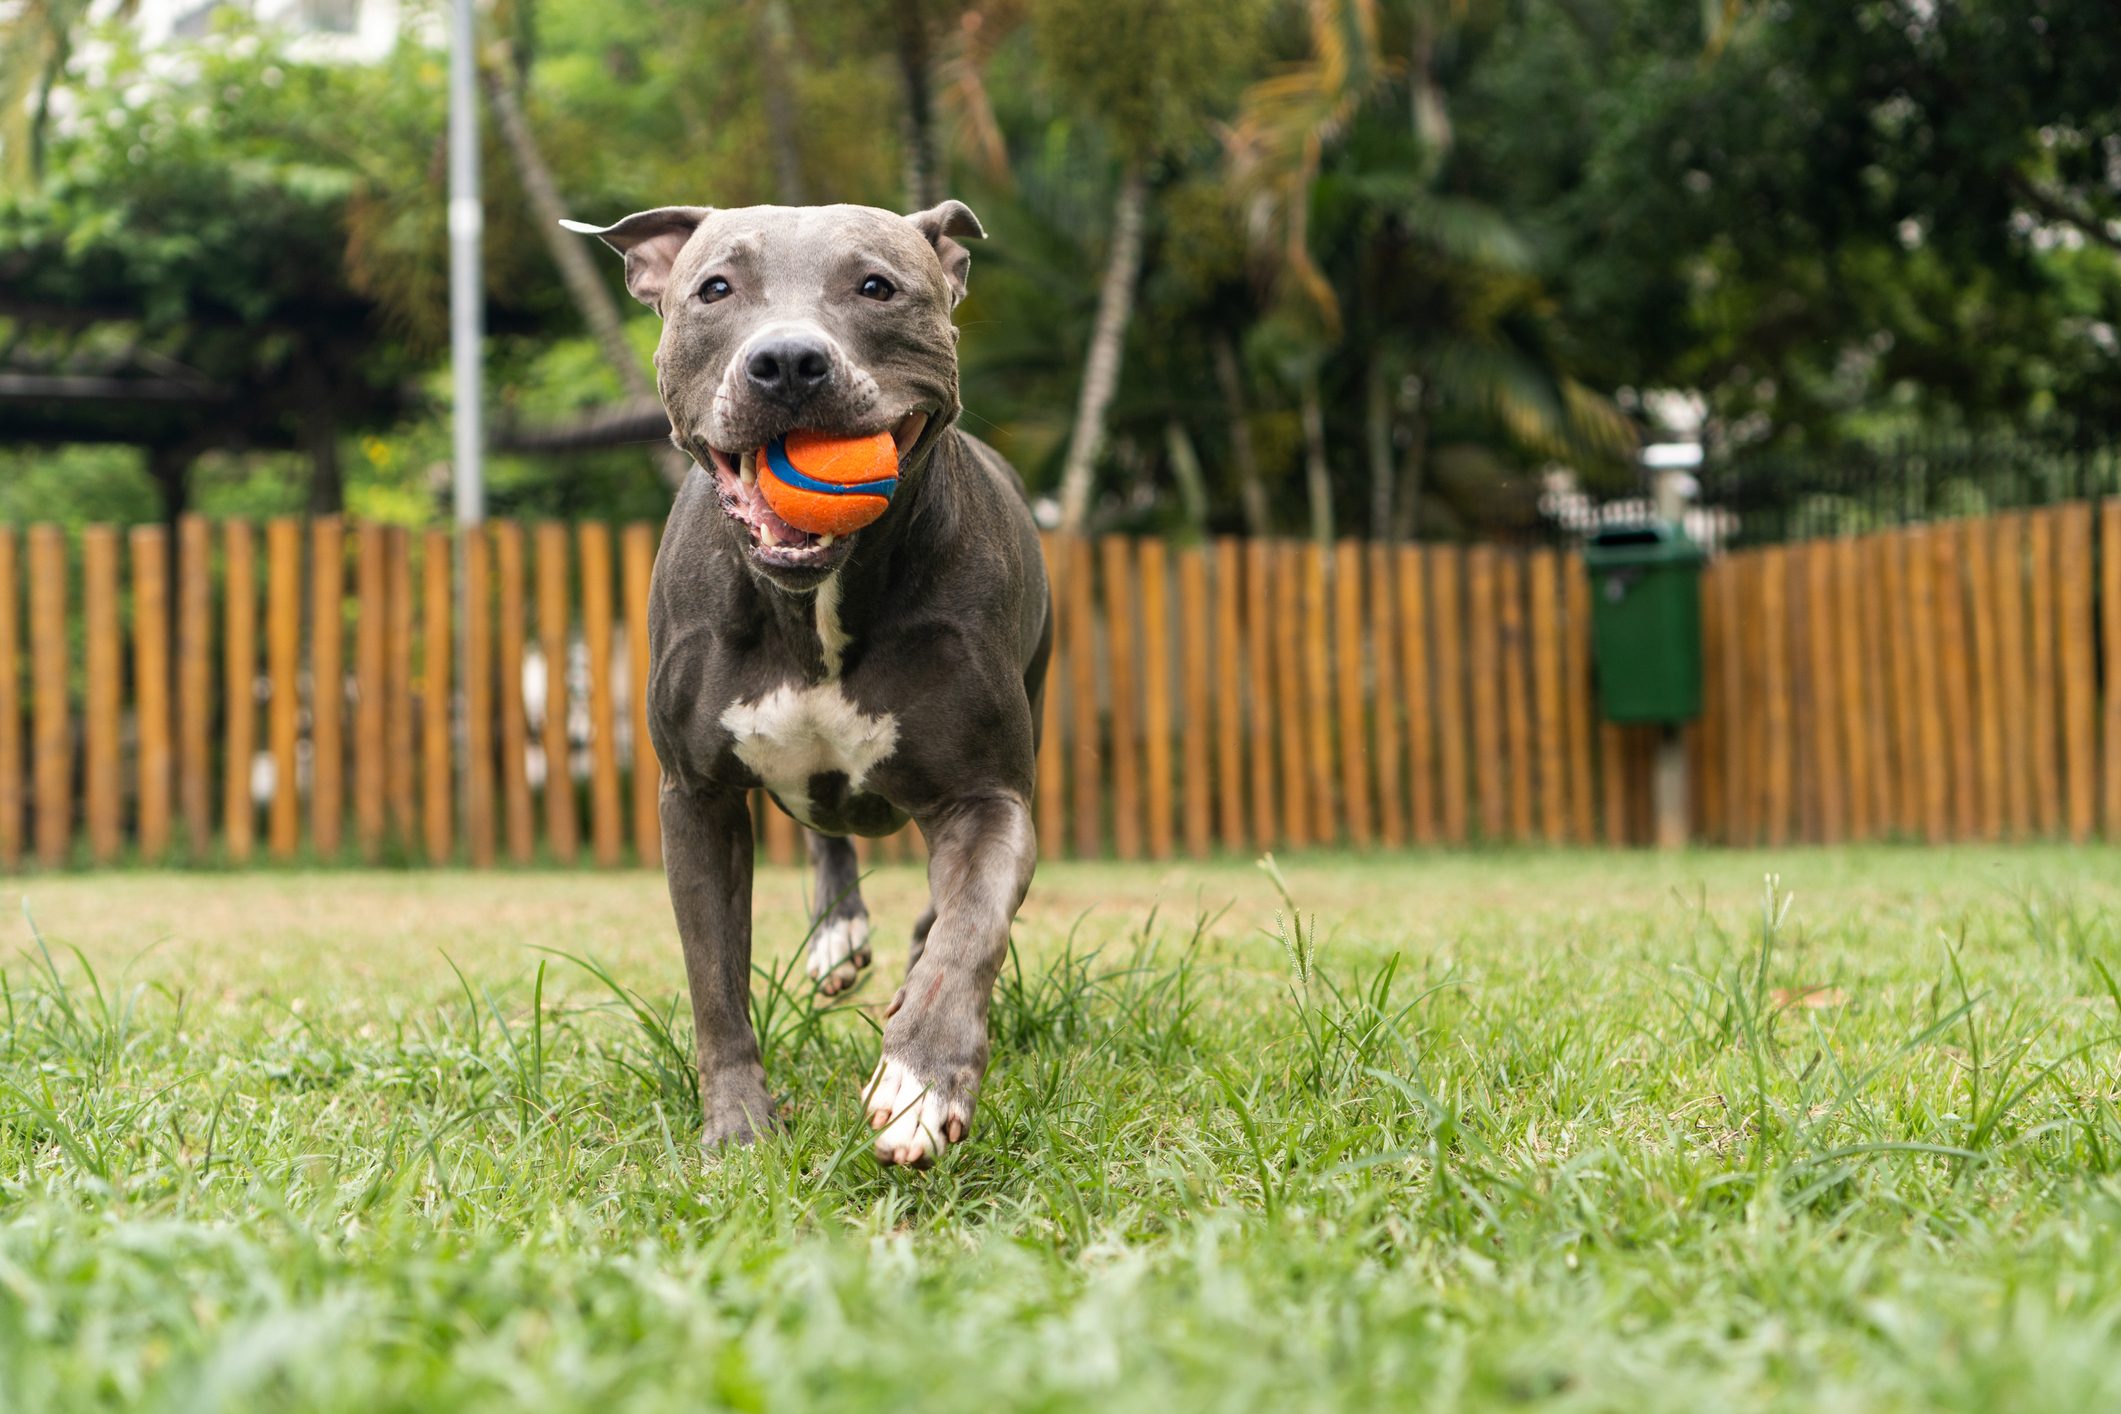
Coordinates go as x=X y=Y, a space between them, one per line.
x=939 y=224
x=650 y=241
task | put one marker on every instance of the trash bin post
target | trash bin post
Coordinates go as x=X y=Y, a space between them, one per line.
x=1646 y=640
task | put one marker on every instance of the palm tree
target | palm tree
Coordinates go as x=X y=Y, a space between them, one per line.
x=35 y=46
x=1330 y=171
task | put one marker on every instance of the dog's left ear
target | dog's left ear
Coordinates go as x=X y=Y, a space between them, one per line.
x=939 y=224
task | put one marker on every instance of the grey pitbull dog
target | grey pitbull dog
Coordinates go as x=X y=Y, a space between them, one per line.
x=862 y=679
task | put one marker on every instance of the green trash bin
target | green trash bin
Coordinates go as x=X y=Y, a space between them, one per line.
x=1646 y=621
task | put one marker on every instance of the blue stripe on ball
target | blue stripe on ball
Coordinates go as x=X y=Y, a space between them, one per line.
x=777 y=458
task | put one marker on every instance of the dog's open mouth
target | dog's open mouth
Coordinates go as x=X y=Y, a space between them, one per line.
x=773 y=540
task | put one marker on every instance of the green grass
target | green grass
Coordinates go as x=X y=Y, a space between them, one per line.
x=1503 y=1130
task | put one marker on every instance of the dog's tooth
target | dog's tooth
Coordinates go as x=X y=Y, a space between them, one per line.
x=824 y=540
x=748 y=468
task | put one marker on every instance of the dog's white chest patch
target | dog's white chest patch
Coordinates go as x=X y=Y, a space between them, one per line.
x=795 y=732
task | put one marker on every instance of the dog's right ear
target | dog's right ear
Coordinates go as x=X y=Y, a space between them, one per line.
x=650 y=241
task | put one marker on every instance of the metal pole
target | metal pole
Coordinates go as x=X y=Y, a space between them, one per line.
x=467 y=222
x=467 y=282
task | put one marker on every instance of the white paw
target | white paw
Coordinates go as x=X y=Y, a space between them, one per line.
x=839 y=950
x=915 y=1125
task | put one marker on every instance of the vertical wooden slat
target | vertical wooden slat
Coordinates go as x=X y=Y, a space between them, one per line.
x=1484 y=665
x=51 y=730
x=477 y=640
x=2045 y=711
x=239 y=691
x=1955 y=678
x=1549 y=732
x=1516 y=692
x=1753 y=764
x=283 y=658
x=1387 y=696
x=438 y=642
x=1289 y=668
x=1154 y=597
x=1641 y=754
x=401 y=726
x=1116 y=555
x=195 y=683
x=1418 y=694
x=606 y=828
x=1051 y=801
x=2075 y=649
x=1694 y=742
x=1260 y=694
x=1196 y=727
x=554 y=634
x=1710 y=796
x=327 y=685
x=1929 y=685
x=784 y=838
x=2007 y=551
x=10 y=702
x=1852 y=663
x=371 y=687
x=1050 y=791
x=1613 y=753
x=1317 y=679
x=1904 y=733
x=1447 y=626
x=519 y=823
x=638 y=552
x=1578 y=699
x=1229 y=704
x=1975 y=543
x=150 y=564
x=1348 y=662
x=1774 y=653
x=1823 y=611
x=2110 y=626
x=1806 y=757
x=1872 y=585
x=1728 y=583
x=1745 y=740
x=1086 y=730
x=102 y=704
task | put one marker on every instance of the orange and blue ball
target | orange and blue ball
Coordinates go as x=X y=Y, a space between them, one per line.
x=829 y=485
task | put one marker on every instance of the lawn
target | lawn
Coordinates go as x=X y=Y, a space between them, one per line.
x=1549 y=1130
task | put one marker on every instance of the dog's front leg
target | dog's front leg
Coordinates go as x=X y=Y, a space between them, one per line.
x=920 y=1100
x=707 y=856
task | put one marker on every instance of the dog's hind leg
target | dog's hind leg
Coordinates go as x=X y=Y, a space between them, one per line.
x=839 y=933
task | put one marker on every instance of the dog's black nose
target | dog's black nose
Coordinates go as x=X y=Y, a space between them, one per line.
x=789 y=370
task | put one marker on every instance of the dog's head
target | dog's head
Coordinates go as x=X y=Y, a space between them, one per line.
x=833 y=318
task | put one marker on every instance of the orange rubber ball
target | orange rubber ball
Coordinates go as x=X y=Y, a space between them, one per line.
x=829 y=485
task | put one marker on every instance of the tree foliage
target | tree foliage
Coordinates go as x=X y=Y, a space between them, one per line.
x=1401 y=256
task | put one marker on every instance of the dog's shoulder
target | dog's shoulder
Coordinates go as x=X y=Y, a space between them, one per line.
x=994 y=464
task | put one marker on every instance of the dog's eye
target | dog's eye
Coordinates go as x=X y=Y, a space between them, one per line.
x=878 y=288
x=714 y=289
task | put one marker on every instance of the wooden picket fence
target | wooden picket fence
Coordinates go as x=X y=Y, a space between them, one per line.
x=1937 y=683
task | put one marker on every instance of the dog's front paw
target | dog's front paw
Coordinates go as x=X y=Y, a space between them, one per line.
x=839 y=950
x=732 y=1132
x=916 y=1118
x=736 y=1110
